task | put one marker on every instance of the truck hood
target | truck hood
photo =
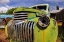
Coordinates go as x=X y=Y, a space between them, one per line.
x=25 y=9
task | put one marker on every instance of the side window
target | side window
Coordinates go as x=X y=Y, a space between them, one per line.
x=34 y=7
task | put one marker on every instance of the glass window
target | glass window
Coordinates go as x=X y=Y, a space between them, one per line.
x=40 y=7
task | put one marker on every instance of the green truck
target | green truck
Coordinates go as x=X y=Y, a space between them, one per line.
x=32 y=25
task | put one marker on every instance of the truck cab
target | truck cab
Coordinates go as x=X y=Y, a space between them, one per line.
x=43 y=7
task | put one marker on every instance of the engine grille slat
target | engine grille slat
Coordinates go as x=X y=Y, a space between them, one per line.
x=26 y=31
x=20 y=18
x=21 y=14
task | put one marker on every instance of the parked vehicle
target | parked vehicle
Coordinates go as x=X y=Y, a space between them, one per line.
x=4 y=20
x=31 y=25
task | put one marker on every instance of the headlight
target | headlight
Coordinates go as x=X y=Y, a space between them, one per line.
x=43 y=21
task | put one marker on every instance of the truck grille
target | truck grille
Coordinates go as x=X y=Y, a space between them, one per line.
x=23 y=32
x=20 y=16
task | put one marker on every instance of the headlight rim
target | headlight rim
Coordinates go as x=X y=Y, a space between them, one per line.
x=41 y=27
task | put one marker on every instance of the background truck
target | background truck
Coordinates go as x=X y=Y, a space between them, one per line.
x=4 y=20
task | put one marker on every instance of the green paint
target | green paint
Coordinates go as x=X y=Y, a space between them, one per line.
x=47 y=35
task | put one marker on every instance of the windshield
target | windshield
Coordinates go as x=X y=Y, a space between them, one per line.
x=40 y=7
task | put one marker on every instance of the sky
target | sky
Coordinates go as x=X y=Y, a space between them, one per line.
x=8 y=4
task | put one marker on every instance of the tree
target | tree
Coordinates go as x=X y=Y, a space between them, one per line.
x=10 y=11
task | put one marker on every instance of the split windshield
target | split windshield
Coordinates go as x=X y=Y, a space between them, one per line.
x=40 y=7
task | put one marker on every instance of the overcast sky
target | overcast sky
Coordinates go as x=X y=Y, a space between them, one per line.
x=7 y=4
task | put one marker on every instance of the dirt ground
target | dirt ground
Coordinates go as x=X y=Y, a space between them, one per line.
x=2 y=36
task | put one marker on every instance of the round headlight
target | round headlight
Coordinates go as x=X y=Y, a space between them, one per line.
x=43 y=21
